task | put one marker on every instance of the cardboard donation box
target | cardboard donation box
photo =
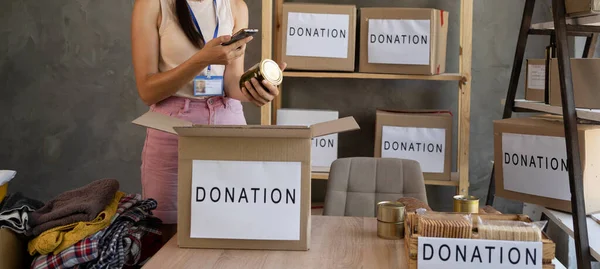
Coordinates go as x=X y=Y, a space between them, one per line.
x=421 y=135
x=582 y=7
x=531 y=159
x=535 y=82
x=585 y=83
x=319 y=36
x=403 y=40
x=244 y=187
x=325 y=148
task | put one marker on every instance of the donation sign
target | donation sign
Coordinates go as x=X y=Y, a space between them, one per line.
x=535 y=164
x=451 y=253
x=245 y=200
x=317 y=35
x=399 y=41
x=425 y=145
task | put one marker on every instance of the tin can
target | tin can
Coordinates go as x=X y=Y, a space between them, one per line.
x=390 y=220
x=466 y=204
x=390 y=211
x=390 y=230
x=264 y=70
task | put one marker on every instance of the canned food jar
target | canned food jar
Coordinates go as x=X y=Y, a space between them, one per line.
x=264 y=70
x=466 y=204
x=390 y=230
x=390 y=220
x=390 y=211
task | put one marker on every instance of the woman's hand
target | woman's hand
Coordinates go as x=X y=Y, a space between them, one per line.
x=263 y=92
x=215 y=53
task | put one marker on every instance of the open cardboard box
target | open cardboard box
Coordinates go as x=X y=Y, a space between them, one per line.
x=234 y=159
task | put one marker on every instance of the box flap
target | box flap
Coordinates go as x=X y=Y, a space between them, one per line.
x=161 y=122
x=334 y=126
x=259 y=131
x=415 y=111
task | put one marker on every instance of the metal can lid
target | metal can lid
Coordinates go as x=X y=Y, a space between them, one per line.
x=271 y=71
x=469 y=198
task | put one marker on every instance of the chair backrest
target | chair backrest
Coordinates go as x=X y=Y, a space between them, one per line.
x=357 y=184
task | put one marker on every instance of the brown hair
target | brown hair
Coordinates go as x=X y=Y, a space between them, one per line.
x=184 y=17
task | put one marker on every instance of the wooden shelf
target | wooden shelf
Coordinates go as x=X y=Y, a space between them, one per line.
x=304 y=74
x=565 y=223
x=522 y=105
x=588 y=20
x=582 y=26
x=273 y=40
x=452 y=182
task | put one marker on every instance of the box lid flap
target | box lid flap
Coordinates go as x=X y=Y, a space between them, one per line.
x=161 y=122
x=334 y=126
x=416 y=111
x=265 y=131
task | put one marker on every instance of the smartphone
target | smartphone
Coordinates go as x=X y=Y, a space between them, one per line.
x=241 y=34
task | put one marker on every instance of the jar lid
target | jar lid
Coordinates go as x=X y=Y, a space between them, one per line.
x=390 y=211
x=271 y=71
x=466 y=198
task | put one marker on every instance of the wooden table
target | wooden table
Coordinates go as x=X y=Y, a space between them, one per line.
x=336 y=242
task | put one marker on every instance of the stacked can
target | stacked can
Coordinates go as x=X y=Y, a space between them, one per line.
x=390 y=220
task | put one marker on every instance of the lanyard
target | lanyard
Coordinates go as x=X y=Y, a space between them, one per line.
x=198 y=25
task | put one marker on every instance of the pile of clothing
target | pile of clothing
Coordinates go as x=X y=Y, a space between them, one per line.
x=95 y=226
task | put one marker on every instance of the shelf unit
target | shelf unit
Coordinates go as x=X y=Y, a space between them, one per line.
x=272 y=40
x=558 y=30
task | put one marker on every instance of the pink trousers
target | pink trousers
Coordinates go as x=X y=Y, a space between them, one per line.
x=159 y=156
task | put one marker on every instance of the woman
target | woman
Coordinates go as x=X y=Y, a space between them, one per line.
x=174 y=43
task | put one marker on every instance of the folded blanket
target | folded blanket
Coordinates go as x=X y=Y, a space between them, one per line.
x=73 y=206
x=59 y=238
x=17 y=201
x=14 y=211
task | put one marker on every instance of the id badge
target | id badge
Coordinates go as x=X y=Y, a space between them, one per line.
x=208 y=86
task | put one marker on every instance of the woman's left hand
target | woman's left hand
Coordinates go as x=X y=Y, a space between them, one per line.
x=261 y=92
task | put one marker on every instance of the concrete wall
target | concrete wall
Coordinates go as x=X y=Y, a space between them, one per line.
x=68 y=92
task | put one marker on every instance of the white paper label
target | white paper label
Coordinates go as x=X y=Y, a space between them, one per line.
x=399 y=41
x=449 y=253
x=425 y=145
x=245 y=200
x=317 y=35
x=535 y=164
x=536 y=75
x=324 y=148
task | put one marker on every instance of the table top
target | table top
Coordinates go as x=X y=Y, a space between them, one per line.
x=565 y=222
x=340 y=242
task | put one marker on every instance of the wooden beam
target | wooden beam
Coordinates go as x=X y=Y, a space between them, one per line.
x=277 y=53
x=464 y=95
x=266 y=50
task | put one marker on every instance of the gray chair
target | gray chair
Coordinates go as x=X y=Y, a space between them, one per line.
x=357 y=184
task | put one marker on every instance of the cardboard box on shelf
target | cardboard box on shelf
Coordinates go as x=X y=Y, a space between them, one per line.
x=325 y=148
x=244 y=187
x=403 y=40
x=585 y=82
x=582 y=7
x=531 y=159
x=421 y=135
x=535 y=82
x=318 y=37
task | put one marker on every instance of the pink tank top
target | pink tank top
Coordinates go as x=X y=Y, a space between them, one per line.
x=174 y=46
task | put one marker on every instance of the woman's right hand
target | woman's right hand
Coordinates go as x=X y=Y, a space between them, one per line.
x=215 y=53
